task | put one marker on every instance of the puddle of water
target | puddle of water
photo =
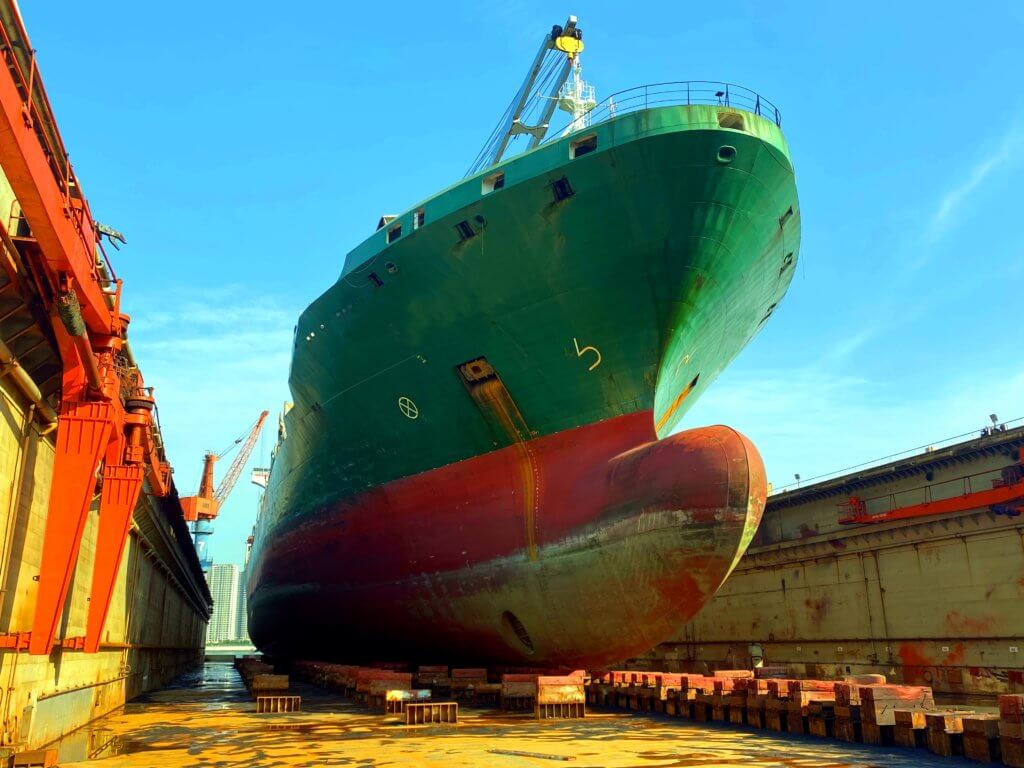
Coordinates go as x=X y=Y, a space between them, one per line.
x=122 y=746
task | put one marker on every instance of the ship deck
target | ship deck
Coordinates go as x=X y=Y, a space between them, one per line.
x=162 y=728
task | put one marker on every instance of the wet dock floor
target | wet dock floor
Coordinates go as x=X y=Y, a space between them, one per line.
x=208 y=719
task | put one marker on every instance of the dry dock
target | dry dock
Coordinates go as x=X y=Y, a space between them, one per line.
x=913 y=570
x=926 y=589
x=208 y=719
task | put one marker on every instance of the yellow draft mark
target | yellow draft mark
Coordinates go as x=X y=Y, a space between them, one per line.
x=675 y=406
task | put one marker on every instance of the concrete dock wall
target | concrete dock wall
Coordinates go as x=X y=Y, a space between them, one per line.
x=156 y=624
x=935 y=600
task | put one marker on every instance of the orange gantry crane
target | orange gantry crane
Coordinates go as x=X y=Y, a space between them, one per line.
x=105 y=422
x=1002 y=496
x=201 y=509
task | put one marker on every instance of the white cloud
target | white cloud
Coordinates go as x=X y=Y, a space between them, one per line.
x=814 y=420
x=216 y=358
x=942 y=219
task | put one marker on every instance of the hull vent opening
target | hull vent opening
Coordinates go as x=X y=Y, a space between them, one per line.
x=492 y=183
x=726 y=154
x=562 y=189
x=465 y=230
x=731 y=120
x=583 y=146
x=514 y=628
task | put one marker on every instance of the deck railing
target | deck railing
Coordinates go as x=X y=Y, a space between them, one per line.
x=686 y=92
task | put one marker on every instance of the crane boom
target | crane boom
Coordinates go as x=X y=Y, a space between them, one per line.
x=201 y=509
x=530 y=111
x=228 y=483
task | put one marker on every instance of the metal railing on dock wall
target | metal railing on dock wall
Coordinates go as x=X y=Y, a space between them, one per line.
x=680 y=93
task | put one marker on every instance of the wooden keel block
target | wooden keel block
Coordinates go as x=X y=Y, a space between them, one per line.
x=425 y=713
x=272 y=704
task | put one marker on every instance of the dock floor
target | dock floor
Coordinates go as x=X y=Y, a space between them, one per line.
x=208 y=719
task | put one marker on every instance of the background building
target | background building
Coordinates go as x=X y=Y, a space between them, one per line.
x=223 y=581
x=242 y=618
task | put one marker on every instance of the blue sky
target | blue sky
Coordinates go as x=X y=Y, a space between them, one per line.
x=244 y=149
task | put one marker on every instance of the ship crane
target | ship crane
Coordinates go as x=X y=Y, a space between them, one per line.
x=200 y=510
x=555 y=79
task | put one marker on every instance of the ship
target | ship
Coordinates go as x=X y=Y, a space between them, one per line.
x=481 y=461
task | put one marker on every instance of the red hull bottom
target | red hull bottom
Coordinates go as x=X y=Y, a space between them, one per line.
x=577 y=549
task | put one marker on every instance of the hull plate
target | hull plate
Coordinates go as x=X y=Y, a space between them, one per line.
x=578 y=548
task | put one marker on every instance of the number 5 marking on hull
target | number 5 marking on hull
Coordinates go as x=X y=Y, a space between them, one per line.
x=580 y=351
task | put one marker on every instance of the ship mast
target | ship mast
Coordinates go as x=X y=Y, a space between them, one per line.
x=576 y=97
x=547 y=85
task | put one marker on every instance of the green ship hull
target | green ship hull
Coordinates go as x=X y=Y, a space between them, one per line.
x=592 y=297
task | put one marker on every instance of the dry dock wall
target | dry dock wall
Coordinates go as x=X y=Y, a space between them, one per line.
x=156 y=624
x=936 y=600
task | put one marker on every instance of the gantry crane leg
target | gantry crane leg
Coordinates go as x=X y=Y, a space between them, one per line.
x=122 y=484
x=83 y=433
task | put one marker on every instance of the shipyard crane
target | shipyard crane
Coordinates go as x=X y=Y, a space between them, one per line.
x=201 y=509
x=1003 y=495
x=71 y=360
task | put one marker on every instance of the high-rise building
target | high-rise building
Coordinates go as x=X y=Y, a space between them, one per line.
x=242 y=620
x=223 y=581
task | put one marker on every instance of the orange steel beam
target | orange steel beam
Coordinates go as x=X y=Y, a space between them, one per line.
x=1002 y=494
x=16 y=641
x=60 y=223
x=206 y=484
x=94 y=418
x=82 y=435
x=122 y=485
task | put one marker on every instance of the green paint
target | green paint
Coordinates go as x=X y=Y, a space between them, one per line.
x=665 y=259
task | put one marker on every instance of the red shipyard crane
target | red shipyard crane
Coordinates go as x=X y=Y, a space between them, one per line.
x=201 y=509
